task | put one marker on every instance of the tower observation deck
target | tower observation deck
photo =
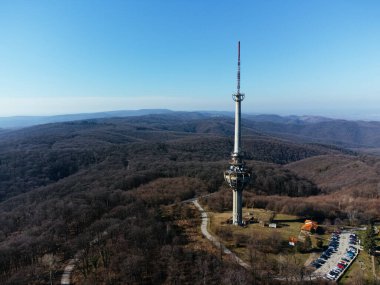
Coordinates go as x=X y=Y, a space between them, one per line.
x=237 y=175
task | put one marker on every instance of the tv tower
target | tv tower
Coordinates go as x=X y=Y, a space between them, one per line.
x=237 y=176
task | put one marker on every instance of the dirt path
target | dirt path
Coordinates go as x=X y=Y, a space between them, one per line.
x=373 y=267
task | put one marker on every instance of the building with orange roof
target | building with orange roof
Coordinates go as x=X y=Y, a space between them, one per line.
x=310 y=226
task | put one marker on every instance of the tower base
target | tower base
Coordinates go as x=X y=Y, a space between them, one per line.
x=237 y=212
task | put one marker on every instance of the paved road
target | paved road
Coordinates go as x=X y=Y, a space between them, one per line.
x=66 y=276
x=214 y=240
x=69 y=268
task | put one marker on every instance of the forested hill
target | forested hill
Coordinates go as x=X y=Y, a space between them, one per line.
x=354 y=134
x=345 y=133
x=357 y=176
x=41 y=155
x=63 y=184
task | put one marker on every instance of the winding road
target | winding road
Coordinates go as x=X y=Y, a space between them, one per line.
x=66 y=276
x=214 y=240
x=69 y=268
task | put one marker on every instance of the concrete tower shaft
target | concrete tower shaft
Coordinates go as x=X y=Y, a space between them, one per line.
x=237 y=175
x=237 y=141
x=238 y=98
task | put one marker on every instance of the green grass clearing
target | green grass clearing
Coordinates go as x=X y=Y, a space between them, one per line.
x=288 y=226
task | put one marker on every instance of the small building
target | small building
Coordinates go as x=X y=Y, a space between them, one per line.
x=273 y=225
x=310 y=226
x=292 y=241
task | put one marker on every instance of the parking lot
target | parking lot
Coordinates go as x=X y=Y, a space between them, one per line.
x=341 y=252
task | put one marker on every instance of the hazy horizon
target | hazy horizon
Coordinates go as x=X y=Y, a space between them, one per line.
x=353 y=116
x=59 y=106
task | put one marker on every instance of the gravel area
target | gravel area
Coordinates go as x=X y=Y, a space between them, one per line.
x=336 y=257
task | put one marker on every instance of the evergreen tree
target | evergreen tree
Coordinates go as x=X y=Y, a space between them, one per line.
x=308 y=244
x=369 y=241
x=304 y=246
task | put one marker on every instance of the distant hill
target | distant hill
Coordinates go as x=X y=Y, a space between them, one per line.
x=348 y=134
x=43 y=154
x=286 y=119
x=338 y=132
x=26 y=121
x=355 y=175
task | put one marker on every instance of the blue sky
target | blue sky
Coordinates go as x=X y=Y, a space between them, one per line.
x=298 y=57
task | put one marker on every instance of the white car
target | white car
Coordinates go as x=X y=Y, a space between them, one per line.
x=330 y=277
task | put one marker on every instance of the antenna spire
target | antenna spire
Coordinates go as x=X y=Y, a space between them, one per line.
x=238 y=72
